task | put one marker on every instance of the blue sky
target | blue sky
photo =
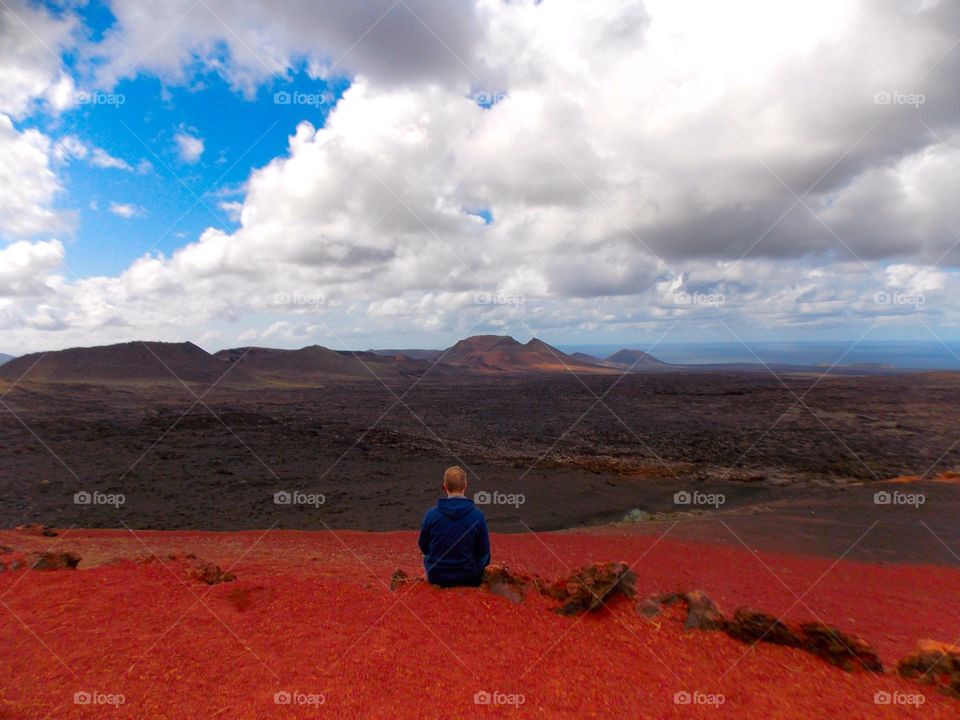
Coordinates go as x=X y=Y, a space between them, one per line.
x=174 y=199
x=179 y=199
x=412 y=172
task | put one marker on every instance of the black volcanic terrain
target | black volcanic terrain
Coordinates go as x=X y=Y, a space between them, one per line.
x=795 y=455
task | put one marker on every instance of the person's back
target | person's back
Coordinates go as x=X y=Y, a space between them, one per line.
x=453 y=537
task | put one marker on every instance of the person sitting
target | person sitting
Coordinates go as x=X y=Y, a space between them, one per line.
x=453 y=537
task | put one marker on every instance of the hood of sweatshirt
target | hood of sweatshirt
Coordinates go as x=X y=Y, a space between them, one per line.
x=455 y=507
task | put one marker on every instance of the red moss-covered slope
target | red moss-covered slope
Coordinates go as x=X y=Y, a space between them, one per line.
x=310 y=614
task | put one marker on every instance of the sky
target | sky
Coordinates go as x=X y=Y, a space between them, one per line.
x=404 y=173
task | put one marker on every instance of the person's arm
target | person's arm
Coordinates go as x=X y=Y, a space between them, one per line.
x=424 y=541
x=482 y=547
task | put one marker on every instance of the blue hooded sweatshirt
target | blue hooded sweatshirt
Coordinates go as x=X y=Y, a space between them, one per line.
x=454 y=542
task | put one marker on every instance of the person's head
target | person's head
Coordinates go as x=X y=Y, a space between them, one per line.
x=454 y=480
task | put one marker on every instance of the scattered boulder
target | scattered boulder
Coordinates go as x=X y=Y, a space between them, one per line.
x=589 y=588
x=55 y=561
x=209 y=573
x=934 y=663
x=399 y=579
x=929 y=660
x=652 y=605
x=500 y=580
x=752 y=626
x=702 y=612
x=845 y=650
x=37 y=529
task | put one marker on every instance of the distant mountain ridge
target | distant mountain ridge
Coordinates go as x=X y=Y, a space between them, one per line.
x=137 y=361
x=169 y=363
x=4 y=358
x=316 y=363
x=634 y=358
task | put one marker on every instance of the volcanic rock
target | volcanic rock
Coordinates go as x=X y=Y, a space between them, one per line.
x=845 y=650
x=930 y=660
x=650 y=606
x=934 y=663
x=500 y=580
x=399 y=579
x=209 y=573
x=751 y=626
x=55 y=561
x=702 y=612
x=589 y=588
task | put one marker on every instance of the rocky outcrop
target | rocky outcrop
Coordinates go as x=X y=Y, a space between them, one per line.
x=752 y=626
x=591 y=587
x=845 y=650
x=702 y=612
x=55 y=561
x=209 y=573
x=934 y=663
x=400 y=578
x=500 y=580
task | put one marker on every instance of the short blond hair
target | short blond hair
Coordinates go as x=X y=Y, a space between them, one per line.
x=454 y=479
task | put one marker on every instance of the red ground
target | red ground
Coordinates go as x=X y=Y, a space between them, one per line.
x=310 y=614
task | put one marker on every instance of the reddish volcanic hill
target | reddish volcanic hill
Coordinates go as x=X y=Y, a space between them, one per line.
x=153 y=362
x=311 y=618
x=502 y=354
